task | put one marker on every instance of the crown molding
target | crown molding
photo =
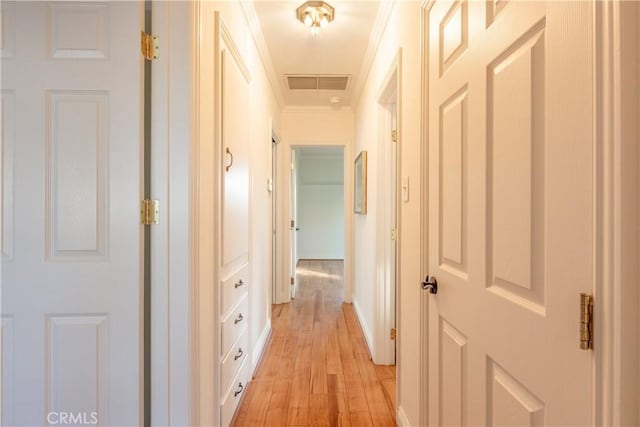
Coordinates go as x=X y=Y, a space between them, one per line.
x=315 y=108
x=380 y=25
x=253 y=22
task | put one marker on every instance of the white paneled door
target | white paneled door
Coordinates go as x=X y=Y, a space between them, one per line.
x=71 y=248
x=510 y=97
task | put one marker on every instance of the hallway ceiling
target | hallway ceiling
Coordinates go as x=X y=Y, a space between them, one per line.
x=339 y=49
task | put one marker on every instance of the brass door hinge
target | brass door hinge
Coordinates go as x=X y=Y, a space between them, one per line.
x=149 y=46
x=149 y=211
x=291 y=281
x=293 y=224
x=394 y=333
x=394 y=234
x=586 y=322
x=394 y=135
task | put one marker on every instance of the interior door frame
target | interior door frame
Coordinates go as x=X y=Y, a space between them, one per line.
x=388 y=259
x=275 y=141
x=204 y=230
x=171 y=306
x=616 y=215
x=614 y=218
x=293 y=224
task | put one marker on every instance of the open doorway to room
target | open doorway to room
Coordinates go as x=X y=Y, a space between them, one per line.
x=317 y=211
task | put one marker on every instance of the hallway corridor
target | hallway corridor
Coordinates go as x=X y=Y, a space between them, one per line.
x=316 y=369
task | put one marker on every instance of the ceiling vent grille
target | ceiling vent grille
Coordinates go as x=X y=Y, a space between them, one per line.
x=317 y=82
x=333 y=83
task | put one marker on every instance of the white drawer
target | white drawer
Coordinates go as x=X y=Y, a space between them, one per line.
x=232 y=362
x=238 y=388
x=234 y=324
x=234 y=288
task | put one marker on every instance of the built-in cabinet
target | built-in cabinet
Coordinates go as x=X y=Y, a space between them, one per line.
x=233 y=87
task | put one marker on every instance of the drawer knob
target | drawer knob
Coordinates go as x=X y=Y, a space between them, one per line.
x=239 y=390
x=238 y=284
x=238 y=319
x=238 y=354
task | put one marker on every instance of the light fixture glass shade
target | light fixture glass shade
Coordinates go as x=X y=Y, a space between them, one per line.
x=315 y=14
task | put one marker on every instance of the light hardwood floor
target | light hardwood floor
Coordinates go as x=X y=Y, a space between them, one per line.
x=316 y=369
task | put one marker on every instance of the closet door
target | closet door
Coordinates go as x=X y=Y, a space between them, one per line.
x=70 y=246
x=234 y=102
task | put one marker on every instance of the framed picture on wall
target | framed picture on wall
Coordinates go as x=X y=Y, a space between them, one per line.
x=360 y=193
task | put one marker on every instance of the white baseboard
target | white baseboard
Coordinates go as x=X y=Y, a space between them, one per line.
x=365 y=328
x=260 y=345
x=402 y=419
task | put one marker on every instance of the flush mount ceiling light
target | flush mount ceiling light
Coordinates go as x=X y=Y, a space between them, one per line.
x=315 y=14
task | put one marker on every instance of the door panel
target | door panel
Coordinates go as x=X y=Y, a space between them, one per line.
x=76 y=173
x=235 y=137
x=510 y=195
x=453 y=238
x=71 y=278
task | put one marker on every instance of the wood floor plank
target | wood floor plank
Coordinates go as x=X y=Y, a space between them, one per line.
x=389 y=389
x=298 y=411
x=279 y=404
x=356 y=397
x=318 y=410
x=260 y=401
x=318 y=362
x=338 y=405
x=332 y=349
x=317 y=369
x=373 y=391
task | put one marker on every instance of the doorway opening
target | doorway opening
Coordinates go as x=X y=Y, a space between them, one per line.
x=317 y=228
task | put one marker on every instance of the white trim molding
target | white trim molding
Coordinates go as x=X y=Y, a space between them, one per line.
x=379 y=27
x=402 y=419
x=170 y=253
x=616 y=217
x=423 y=388
x=260 y=346
x=253 y=22
x=387 y=257
x=368 y=337
x=314 y=108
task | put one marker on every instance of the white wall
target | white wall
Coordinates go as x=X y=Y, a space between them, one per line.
x=261 y=113
x=313 y=126
x=320 y=206
x=402 y=32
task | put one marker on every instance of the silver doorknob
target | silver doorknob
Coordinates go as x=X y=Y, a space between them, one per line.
x=430 y=284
